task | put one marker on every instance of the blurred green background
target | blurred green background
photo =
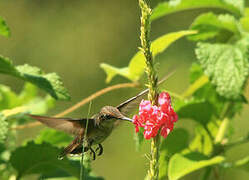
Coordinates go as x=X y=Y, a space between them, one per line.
x=73 y=37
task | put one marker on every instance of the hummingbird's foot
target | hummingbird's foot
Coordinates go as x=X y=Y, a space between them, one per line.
x=93 y=153
x=100 y=149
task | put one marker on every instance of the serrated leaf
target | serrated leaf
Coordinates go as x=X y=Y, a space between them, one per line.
x=176 y=141
x=40 y=158
x=181 y=165
x=4 y=29
x=226 y=65
x=209 y=25
x=51 y=82
x=3 y=128
x=174 y=6
x=137 y=64
x=54 y=137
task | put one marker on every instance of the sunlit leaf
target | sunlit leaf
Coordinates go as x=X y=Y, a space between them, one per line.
x=8 y=99
x=40 y=105
x=28 y=92
x=137 y=64
x=226 y=65
x=51 y=82
x=209 y=25
x=181 y=165
x=4 y=29
x=174 y=6
x=245 y=20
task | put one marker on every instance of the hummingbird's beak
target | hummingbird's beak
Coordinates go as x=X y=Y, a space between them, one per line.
x=127 y=119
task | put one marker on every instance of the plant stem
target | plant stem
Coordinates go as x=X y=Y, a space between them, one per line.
x=83 y=173
x=222 y=130
x=152 y=83
x=224 y=124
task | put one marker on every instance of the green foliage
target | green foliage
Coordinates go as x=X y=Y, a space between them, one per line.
x=8 y=99
x=213 y=98
x=173 y=6
x=51 y=82
x=202 y=141
x=188 y=109
x=54 y=137
x=40 y=158
x=210 y=26
x=173 y=144
x=3 y=128
x=227 y=65
x=245 y=20
x=243 y=163
x=136 y=66
x=180 y=165
x=4 y=29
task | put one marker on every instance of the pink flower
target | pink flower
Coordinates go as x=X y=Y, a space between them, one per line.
x=156 y=119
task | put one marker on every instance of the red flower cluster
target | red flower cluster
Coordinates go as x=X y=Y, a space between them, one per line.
x=153 y=118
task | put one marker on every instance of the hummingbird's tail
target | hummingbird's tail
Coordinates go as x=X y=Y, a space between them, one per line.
x=71 y=149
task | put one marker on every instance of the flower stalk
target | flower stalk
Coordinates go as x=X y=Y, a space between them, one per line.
x=152 y=83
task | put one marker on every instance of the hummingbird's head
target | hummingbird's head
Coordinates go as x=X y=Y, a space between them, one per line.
x=111 y=113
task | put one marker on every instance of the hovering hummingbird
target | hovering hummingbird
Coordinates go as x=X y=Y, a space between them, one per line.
x=99 y=127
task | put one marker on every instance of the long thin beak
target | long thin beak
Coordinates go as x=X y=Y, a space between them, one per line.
x=127 y=119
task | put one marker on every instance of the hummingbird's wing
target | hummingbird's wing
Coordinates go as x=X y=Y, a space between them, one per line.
x=129 y=105
x=68 y=125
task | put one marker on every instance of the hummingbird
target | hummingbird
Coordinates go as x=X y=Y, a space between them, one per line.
x=99 y=127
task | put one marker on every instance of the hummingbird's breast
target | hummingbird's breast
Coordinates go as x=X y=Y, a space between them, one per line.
x=101 y=131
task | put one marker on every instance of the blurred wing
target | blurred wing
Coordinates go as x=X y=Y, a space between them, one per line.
x=68 y=125
x=129 y=105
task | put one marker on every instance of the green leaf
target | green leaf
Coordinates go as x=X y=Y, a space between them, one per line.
x=54 y=137
x=40 y=105
x=189 y=109
x=176 y=141
x=4 y=29
x=245 y=20
x=207 y=91
x=40 y=158
x=243 y=163
x=51 y=82
x=226 y=65
x=28 y=92
x=202 y=141
x=137 y=64
x=8 y=99
x=3 y=128
x=174 y=6
x=181 y=165
x=210 y=26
